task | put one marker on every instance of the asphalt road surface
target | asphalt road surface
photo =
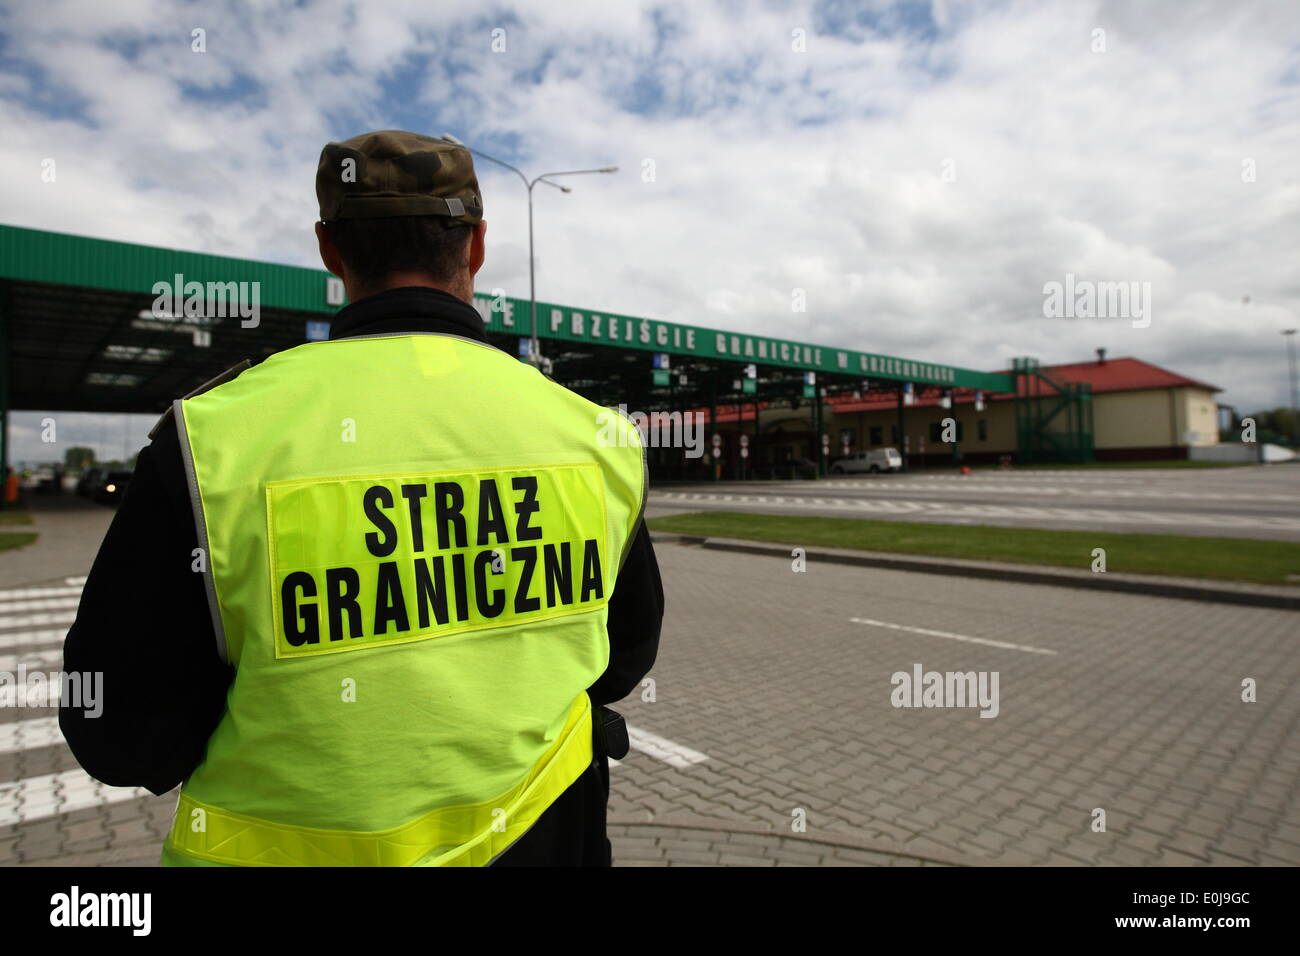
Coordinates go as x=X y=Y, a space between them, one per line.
x=1248 y=502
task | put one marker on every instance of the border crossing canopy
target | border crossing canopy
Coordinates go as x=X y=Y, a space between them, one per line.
x=81 y=329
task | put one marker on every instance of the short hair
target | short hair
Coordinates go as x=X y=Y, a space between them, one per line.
x=373 y=249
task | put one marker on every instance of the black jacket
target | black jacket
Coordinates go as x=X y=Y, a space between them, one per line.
x=143 y=623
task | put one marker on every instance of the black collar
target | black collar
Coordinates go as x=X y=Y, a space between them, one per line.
x=408 y=309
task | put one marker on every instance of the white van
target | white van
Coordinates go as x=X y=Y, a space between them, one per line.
x=876 y=460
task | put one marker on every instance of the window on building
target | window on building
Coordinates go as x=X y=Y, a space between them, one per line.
x=877 y=435
x=984 y=429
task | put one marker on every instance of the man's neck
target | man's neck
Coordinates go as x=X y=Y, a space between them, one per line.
x=462 y=287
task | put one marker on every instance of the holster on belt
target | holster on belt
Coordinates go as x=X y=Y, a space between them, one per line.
x=610 y=733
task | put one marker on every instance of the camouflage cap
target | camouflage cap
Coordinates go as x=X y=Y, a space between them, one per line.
x=395 y=173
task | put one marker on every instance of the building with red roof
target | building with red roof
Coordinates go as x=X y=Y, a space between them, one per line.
x=1137 y=411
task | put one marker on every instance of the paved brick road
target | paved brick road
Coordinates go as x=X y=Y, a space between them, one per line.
x=1138 y=712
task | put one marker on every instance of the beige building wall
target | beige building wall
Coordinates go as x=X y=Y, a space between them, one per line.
x=1156 y=418
x=1134 y=419
x=1201 y=417
x=999 y=417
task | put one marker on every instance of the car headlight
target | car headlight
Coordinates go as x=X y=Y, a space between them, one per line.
x=110 y=488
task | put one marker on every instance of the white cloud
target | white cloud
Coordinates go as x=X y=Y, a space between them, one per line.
x=775 y=170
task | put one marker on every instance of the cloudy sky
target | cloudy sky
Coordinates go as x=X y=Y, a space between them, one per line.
x=920 y=170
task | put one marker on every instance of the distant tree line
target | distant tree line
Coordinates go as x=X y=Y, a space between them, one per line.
x=1273 y=425
x=81 y=457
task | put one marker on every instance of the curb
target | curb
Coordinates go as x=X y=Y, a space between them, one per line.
x=1182 y=588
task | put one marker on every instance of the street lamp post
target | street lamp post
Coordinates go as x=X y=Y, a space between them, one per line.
x=534 y=347
x=1290 y=361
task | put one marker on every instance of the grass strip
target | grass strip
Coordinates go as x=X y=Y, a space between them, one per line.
x=1231 y=559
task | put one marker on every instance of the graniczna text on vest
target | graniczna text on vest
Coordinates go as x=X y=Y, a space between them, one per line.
x=413 y=557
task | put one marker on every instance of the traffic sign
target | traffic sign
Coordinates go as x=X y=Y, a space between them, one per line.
x=717 y=452
x=744 y=453
x=744 y=441
x=717 y=440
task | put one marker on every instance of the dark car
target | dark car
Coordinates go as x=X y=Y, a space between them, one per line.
x=90 y=480
x=797 y=468
x=112 y=486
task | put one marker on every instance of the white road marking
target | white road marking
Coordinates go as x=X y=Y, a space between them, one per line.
x=35 y=638
x=54 y=794
x=29 y=734
x=29 y=620
x=18 y=594
x=661 y=748
x=37 y=604
x=1005 y=645
x=49 y=795
x=55 y=604
x=32 y=660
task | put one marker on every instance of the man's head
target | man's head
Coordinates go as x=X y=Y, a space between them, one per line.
x=400 y=209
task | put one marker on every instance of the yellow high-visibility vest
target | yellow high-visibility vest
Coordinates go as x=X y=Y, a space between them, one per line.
x=409 y=543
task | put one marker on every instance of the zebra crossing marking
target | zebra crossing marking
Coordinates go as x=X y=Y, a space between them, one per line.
x=33 y=638
x=54 y=794
x=32 y=660
x=37 y=604
x=29 y=734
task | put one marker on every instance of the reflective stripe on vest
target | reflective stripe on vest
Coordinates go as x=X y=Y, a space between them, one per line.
x=435 y=839
x=410 y=546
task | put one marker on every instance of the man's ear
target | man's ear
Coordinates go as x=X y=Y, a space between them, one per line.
x=477 y=247
x=329 y=253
